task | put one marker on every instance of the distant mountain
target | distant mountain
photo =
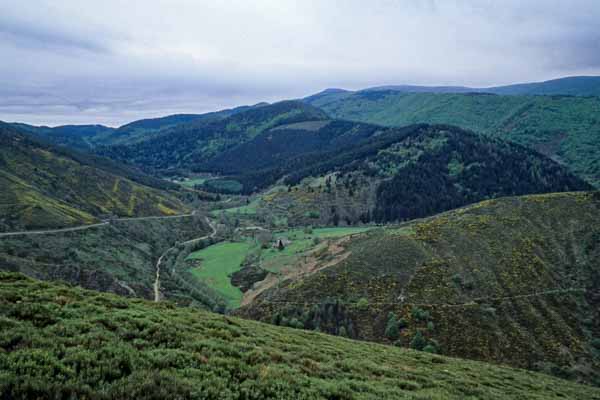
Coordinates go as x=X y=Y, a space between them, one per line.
x=188 y=145
x=45 y=186
x=511 y=281
x=87 y=137
x=570 y=86
x=74 y=136
x=396 y=174
x=564 y=128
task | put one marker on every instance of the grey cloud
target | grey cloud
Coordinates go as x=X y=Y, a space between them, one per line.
x=39 y=35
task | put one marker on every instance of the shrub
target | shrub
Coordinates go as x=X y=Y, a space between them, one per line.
x=418 y=342
x=362 y=304
x=392 y=331
x=419 y=314
x=430 y=349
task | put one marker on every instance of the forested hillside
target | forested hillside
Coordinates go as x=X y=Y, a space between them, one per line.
x=564 y=128
x=407 y=173
x=63 y=342
x=187 y=146
x=513 y=281
x=44 y=186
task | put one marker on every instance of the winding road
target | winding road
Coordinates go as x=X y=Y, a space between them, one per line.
x=157 y=280
x=84 y=227
x=75 y=228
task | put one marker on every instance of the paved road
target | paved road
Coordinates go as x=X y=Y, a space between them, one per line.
x=157 y=280
x=84 y=227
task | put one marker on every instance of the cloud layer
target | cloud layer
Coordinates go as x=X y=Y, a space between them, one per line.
x=67 y=61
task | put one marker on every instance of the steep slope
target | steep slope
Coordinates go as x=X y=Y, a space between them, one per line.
x=561 y=127
x=47 y=187
x=187 y=146
x=400 y=174
x=513 y=281
x=62 y=342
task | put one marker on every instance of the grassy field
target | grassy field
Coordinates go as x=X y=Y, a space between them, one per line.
x=61 y=342
x=193 y=182
x=217 y=263
x=247 y=209
x=224 y=185
x=274 y=259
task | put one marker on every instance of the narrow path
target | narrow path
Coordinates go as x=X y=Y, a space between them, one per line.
x=84 y=227
x=248 y=228
x=472 y=302
x=157 y=280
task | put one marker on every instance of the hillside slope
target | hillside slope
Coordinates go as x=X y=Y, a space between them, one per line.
x=119 y=257
x=561 y=127
x=62 y=342
x=400 y=174
x=45 y=187
x=513 y=281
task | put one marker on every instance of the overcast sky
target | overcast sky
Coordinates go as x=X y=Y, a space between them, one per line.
x=115 y=61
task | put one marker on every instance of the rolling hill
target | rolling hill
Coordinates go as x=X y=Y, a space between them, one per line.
x=62 y=342
x=562 y=127
x=47 y=187
x=512 y=281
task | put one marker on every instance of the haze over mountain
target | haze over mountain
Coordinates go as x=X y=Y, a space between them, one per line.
x=569 y=86
x=112 y=64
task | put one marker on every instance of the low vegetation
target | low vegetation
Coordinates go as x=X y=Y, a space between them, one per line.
x=47 y=187
x=61 y=342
